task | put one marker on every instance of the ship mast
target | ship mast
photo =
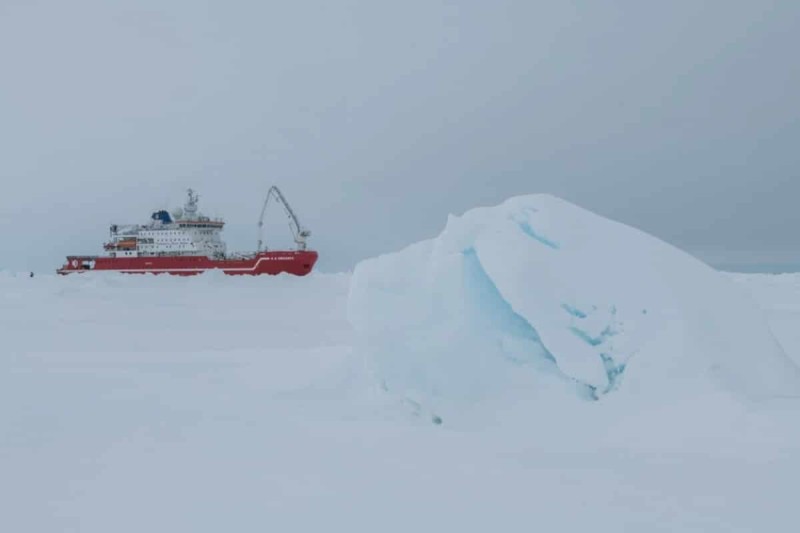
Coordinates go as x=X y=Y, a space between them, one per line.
x=299 y=233
x=190 y=207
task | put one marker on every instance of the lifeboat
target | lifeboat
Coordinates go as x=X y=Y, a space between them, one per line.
x=127 y=245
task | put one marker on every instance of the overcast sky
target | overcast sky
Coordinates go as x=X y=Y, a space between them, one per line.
x=377 y=119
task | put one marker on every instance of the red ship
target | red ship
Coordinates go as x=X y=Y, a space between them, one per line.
x=185 y=242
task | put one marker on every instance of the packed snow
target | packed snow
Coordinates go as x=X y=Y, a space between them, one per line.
x=427 y=392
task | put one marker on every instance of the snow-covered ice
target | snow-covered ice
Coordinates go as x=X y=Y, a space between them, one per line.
x=538 y=288
x=218 y=403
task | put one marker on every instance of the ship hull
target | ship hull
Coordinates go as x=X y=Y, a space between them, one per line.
x=297 y=263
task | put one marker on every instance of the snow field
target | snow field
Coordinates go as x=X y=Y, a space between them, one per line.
x=131 y=403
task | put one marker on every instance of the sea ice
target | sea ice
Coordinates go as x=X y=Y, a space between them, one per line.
x=537 y=293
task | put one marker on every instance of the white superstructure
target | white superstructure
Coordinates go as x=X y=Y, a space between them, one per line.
x=183 y=232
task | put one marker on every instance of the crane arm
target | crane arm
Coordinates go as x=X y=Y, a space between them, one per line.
x=299 y=233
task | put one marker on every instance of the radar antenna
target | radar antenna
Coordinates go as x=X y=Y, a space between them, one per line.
x=299 y=233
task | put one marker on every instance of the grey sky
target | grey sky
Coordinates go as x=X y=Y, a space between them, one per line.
x=379 y=118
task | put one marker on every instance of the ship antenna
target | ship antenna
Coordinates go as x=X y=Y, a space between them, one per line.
x=190 y=207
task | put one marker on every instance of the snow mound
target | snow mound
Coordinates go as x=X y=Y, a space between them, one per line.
x=538 y=294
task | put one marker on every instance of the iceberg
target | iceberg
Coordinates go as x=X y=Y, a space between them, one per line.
x=537 y=294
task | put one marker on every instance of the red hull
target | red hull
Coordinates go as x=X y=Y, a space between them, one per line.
x=297 y=263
